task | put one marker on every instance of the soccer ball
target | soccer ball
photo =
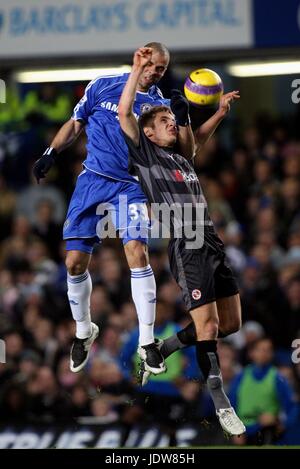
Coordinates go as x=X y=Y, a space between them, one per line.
x=203 y=87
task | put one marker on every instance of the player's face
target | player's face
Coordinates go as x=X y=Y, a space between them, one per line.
x=164 y=129
x=154 y=71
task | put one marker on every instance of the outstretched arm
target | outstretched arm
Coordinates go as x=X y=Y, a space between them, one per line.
x=127 y=119
x=66 y=135
x=206 y=130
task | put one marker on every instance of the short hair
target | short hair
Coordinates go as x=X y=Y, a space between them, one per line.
x=146 y=119
x=159 y=47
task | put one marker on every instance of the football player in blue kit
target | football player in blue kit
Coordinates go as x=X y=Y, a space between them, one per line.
x=104 y=178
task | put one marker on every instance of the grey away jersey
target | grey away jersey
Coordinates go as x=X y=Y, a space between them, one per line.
x=167 y=177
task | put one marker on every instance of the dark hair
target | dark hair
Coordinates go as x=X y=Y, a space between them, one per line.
x=159 y=47
x=147 y=118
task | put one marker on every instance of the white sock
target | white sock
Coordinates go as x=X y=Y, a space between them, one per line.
x=79 y=294
x=143 y=289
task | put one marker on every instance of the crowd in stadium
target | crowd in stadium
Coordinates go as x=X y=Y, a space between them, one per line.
x=251 y=180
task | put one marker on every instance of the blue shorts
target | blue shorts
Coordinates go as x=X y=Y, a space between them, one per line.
x=100 y=207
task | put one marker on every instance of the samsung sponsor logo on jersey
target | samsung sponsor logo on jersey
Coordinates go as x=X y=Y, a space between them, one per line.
x=113 y=107
x=109 y=106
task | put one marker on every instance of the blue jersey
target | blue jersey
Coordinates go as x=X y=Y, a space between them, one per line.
x=107 y=152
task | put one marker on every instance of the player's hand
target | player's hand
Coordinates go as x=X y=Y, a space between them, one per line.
x=180 y=108
x=43 y=164
x=142 y=57
x=226 y=99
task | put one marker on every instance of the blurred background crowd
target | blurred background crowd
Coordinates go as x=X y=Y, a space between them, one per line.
x=251 y=178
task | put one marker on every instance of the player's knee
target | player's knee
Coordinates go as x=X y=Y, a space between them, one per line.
x=75 y=265
x=211 y=329
x=136 y=254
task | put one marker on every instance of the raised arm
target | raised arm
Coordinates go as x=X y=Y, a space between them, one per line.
x=180 y=108
x=206 y=130
x=127 y=119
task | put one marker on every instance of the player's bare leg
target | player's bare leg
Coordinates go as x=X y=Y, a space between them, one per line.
x=143 y=288
x=230 y=315
x=206 y=323
x=79 y=294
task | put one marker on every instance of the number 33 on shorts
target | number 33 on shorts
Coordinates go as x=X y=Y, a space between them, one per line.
x=138 y=211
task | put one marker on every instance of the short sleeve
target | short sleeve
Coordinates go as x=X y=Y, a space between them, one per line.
x=84 y=108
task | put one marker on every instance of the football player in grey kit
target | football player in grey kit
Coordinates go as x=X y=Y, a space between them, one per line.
x=202 y=271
